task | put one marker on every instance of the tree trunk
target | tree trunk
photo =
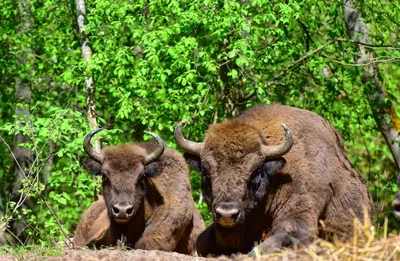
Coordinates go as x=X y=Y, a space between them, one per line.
x=23 y=156
x=233 y=95
x=381 y=105
x=23 y=99
x=87 y=56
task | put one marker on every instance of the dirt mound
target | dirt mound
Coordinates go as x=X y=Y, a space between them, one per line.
x=120 y=255
x=363 y=246
x=372 y=249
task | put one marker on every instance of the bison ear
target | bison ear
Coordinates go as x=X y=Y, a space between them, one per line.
x=193 y=161
x=92 y=166
x=271 y=167
x=154 y=168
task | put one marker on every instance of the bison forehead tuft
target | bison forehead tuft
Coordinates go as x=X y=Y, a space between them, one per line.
x=234 y=138
x=123 y=157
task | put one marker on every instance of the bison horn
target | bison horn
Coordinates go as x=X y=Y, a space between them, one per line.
x=158 y=151
x=91 y=152
x=281 y=149
x=187 y=145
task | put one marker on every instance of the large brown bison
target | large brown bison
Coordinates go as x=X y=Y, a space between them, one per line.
x=147 y=200
x=271 y=186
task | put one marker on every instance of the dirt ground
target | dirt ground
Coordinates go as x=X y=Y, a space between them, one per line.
x=142 y=255
x=120 y=255
x=363 y=247
x=343 y=253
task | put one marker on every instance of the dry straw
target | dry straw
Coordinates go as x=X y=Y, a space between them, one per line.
x=365 y=245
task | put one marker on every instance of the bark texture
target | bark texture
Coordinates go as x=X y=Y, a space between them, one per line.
x=379 y=100
x=23 y=156
x=22 y=98
x=87 y=56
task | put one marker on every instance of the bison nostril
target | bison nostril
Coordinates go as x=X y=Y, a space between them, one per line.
x=115 y=210
x=235 y=216
x=129 y=211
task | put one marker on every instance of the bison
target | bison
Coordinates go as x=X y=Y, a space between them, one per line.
x=147 y=200
x=396 y=200
x=273 y=186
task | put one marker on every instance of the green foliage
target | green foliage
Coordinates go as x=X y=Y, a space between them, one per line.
x=55 y=134
x=156 y=63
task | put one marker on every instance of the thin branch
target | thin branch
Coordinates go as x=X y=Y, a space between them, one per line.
x=224 y=63
x=56 y=218
x=368 y=45
x=39 y=194
x=12 y=153
x=14 y=236
x=308 y=36
x=268 y=84
x=327 y=44
x=303 y=58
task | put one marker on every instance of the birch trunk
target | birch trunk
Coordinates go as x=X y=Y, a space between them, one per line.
x=87 y=56
x=383 y=111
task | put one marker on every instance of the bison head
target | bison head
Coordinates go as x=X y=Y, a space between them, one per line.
x=236 y=165
x=124 y=170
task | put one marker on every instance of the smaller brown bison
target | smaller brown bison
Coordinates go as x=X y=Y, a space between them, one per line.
x=147 y=200
x=273 y=186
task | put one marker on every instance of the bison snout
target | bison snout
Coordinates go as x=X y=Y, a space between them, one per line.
x=122 y=212
x=227 y=214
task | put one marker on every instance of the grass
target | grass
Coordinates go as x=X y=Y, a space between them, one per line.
x=31 y=252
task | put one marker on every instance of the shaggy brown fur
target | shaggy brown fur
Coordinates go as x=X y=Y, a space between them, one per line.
x=283 y=200
x=164 y=218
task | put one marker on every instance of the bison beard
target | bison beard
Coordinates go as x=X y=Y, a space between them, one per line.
x=146 y=201
x=271 y=187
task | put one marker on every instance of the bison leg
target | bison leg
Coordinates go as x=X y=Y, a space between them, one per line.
x=165 y=229
x=208 y=245
x=187 y=243
x=94 y=226
x=288 y=233
x=206 y=242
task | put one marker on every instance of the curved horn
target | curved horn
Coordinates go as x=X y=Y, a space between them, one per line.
x=91 y=152
x=281 y=149
x=157 y=152
x=187 y=145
